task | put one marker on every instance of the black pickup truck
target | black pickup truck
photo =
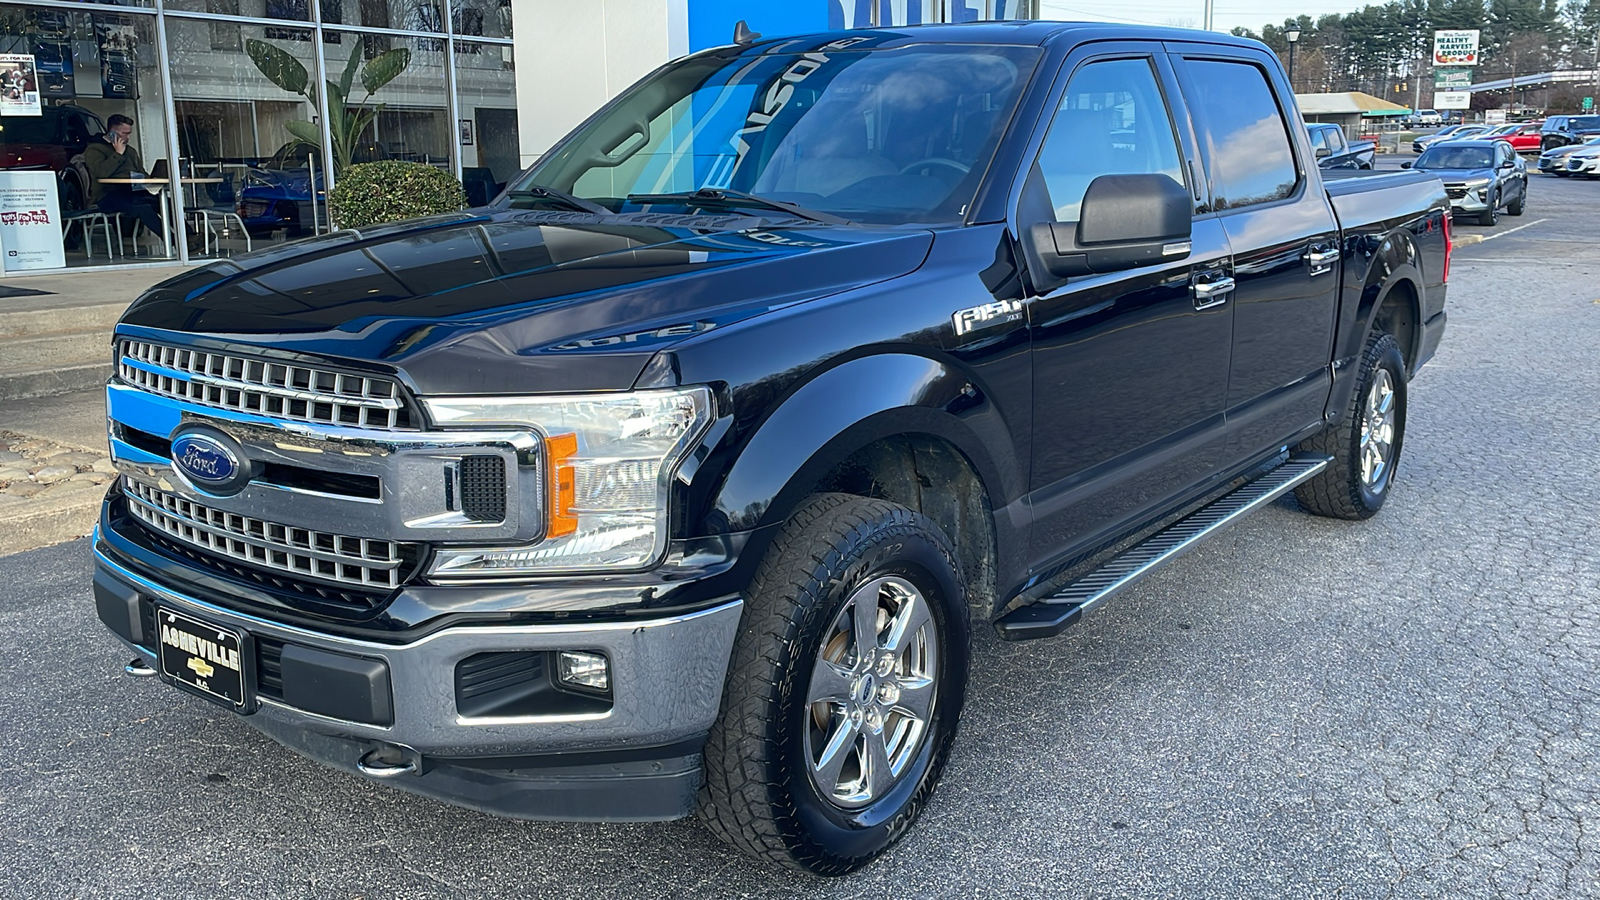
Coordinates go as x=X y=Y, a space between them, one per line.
x=1334 y=152
x=673 y=480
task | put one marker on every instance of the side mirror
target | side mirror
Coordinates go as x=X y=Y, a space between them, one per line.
x=1323 y=152
x=1125 y=221
x=1405 y=165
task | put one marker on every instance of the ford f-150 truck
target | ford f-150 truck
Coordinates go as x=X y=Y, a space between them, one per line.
x=673 y=480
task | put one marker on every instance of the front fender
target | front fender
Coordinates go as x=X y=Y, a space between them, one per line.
x=823 y=420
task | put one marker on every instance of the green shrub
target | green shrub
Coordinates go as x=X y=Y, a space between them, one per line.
x=390 y=190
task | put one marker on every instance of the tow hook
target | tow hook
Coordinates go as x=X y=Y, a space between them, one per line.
x=137 y=668
x=390 y=761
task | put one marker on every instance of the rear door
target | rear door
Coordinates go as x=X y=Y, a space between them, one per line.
x=1131 y=368
x=1285 y=240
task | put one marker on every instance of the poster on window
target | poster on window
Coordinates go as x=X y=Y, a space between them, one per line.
x=119 y=42
x=52 y=54
x=19 y=85
x=30 y=221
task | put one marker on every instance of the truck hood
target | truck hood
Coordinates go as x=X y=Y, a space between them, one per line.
x=505 y=301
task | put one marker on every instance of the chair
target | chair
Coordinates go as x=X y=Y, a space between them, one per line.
x=479 y=184
x=221 y=210
x=90 y=219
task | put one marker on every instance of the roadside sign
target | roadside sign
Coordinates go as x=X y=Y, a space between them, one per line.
x=1588 y=104
x=1455 y=48
x=1456 y=79
x=1452 y=99
x=1494 y=117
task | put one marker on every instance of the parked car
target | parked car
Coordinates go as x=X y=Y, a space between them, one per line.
x=1480 y=176
x=676 y=478
x=1583 y=161
x=1332 y=152
x=1560 y=131
x=1427 y=117
x=1554 y=160
x=1524 y=137
x=55 y=140
x=1454 y=132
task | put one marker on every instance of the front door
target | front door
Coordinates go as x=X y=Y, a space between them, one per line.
x=1130 y=369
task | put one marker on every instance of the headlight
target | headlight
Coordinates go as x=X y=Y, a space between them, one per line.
x=608 y=464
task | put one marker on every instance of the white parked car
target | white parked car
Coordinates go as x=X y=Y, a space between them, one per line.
x=1584 y=161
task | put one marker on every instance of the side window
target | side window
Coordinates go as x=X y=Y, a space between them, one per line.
x=1336 y=140
x=1112 y=121
x=1251 y=159
x=1319 y=139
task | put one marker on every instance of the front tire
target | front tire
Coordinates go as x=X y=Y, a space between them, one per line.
x=1365 y=445
x=1492 y=214
x=844 y=688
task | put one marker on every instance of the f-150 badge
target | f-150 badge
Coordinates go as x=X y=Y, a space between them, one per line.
x=995 y=313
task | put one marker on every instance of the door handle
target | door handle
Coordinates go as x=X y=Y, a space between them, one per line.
x=1212 y=293
x=1321 y=259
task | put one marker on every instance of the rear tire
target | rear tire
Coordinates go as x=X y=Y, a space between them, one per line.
x=1366 y=443
x=1516 y=206
x=827 y=749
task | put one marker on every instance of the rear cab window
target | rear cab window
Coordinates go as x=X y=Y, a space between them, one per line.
x=1251 y=157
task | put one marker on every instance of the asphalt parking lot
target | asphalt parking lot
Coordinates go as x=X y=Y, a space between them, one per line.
x=1405 y=707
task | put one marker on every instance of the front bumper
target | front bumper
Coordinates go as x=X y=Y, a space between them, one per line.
x=639 y=759
x=1470 y=202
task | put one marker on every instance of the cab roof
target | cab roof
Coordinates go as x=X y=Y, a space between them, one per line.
x=1025 y=33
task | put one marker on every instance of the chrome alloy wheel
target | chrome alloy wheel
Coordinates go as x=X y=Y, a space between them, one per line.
x=871 y=698
x=1377 y=429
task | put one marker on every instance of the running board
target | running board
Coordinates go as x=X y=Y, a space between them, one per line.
x=1051 y=615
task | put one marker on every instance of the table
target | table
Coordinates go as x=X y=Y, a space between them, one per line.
x=159 y=186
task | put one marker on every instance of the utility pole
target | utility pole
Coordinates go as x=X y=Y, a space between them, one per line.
x=1207 y=25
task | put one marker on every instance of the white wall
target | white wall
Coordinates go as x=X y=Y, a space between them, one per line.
x=573 y=57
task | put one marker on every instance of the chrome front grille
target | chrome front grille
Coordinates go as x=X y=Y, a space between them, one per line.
x=356 y=562
x=282 y=390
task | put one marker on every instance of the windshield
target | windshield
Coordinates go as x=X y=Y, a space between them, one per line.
x=1454 y=158
x=868 y=135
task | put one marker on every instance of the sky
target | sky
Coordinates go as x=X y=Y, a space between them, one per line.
x=1225 y=14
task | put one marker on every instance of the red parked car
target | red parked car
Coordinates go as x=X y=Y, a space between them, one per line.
x=1524 y=137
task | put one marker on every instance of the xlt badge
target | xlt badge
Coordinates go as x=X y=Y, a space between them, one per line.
x=988 y=314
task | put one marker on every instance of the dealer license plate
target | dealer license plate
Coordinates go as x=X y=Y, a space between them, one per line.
x=206 y=659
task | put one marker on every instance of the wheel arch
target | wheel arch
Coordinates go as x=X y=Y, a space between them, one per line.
x=897 y=426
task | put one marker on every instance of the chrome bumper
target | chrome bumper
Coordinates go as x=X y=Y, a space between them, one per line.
x=667 y=677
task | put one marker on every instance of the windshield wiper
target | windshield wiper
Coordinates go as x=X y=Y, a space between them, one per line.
x=725 y=197
x=540 y=192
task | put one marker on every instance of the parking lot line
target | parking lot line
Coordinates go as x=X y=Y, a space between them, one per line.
x=1514 y=230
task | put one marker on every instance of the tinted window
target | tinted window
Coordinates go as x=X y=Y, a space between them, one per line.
x=1250 y=157
x=1112 y=121
x=1319 y=140
x=1448 y=157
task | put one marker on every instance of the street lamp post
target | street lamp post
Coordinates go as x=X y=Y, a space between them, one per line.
x=1292 y=35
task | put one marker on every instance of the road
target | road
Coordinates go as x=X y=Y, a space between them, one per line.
x=1303 y=708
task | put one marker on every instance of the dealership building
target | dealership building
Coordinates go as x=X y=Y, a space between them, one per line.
x=230 y=99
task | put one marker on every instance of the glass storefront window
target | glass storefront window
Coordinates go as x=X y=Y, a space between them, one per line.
x=411 y=121
x=250 y=112
x=402 y=15
x=90 y=66
x=247 y=132
x=486 y=101
x=481 y=18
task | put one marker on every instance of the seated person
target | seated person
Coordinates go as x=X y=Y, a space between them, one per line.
x=113 y=157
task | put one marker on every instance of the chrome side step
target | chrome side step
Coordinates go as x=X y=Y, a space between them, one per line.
x=1053 y=614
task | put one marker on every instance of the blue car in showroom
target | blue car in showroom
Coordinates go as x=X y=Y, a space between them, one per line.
x=278 y=193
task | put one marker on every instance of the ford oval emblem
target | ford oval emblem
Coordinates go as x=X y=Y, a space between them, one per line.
x=207 y=461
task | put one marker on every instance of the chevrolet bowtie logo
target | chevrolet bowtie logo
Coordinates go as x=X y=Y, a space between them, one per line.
x=201 y=667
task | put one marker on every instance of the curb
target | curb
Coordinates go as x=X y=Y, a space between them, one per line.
x=55 y=520
x=47 y=382
x=1465 y=240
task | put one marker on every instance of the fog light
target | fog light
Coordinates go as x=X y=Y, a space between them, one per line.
x=584 y=671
